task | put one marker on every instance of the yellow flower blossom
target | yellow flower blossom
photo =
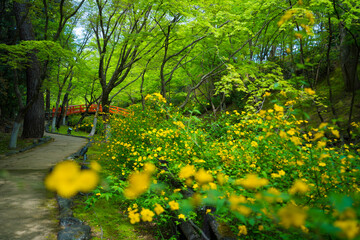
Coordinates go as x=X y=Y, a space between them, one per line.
x=67 y=179
x=252 y=181
x=349 y=228
x=95 y=166
x=292 y=215
x=309 y=91
x=203 y=177
x=322 y=164
x=181 y=216
x=146 y=215
x=187 y=171
x=254 y=144
x=336 y=133
x=158 y=209
x=174 y=205
x=139 y=182
x=134 y=217
x=278 y=108
x=242 y=230
x=299 y=187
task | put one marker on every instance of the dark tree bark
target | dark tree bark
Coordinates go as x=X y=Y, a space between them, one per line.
x=349 y=58
x=35 y=116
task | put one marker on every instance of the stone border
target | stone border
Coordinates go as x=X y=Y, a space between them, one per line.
x=36 y=142
x=73 y=228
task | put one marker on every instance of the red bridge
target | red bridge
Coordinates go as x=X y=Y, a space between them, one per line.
x=75 y=109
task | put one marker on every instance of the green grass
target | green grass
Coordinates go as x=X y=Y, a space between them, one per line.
x=63 y=130
x=107 y=221
x=21 y=143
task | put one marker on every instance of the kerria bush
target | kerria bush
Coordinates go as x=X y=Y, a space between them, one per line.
x=269 y=175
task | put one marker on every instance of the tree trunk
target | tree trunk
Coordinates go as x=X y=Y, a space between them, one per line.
x=93 y=129
x=34 y=119
x=47 y=103
x=15 y=133
x=349 y=55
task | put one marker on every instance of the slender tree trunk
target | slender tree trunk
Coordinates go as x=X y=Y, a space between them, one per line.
x=47 y=103
x=349 y=56
x=63 y=106
x=93 y=129
x=34 y=119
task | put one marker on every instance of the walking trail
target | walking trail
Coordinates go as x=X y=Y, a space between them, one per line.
x=27 y=209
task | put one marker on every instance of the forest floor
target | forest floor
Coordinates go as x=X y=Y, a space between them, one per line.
x=27 y=209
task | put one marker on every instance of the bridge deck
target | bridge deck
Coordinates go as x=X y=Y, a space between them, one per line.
x=76 y=109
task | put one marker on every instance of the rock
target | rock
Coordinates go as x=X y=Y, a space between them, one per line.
x=188 y=231
x=64 y=207
x=75 y=232
x=70 y=221
x=63 y=202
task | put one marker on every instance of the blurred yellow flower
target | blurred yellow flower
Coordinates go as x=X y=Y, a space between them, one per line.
x=299 y=187
x=146 y=215
x=187 y=171
x=242 y=230
x=251 y=181
x=203 y=177
x=292 y=215
x=349 y=228
x=174 y=205
x=67 y=179
x=309 y=91
x=158 y=209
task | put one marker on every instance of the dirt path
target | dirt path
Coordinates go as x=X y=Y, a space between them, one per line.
x=27 y=210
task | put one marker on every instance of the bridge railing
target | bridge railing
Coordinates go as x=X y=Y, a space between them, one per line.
x=76 y=109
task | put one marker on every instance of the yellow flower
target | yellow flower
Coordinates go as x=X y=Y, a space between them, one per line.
x=181 y=216
x=291 y=132
x=208 y=211
x=273 y=195
x=242 y=230
x=187 y=171
x=267 y=94
x=134 y=217
x=349 y=228
x=95 y=166
x=309 y=91
x=299 y=187
x=149 y=168
x=282 y=134
x=254 y=144
x=139 y=182
x=159 y=209
x=336 y=133
x=278 y=108
x=146 y=215
x=87 y=180
x=174 y=205
x=252 y=181
x=292 y=215
x=203 y=177
x=321 y=144
x=67 y=179
x=318 y=135
x=322 y=164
